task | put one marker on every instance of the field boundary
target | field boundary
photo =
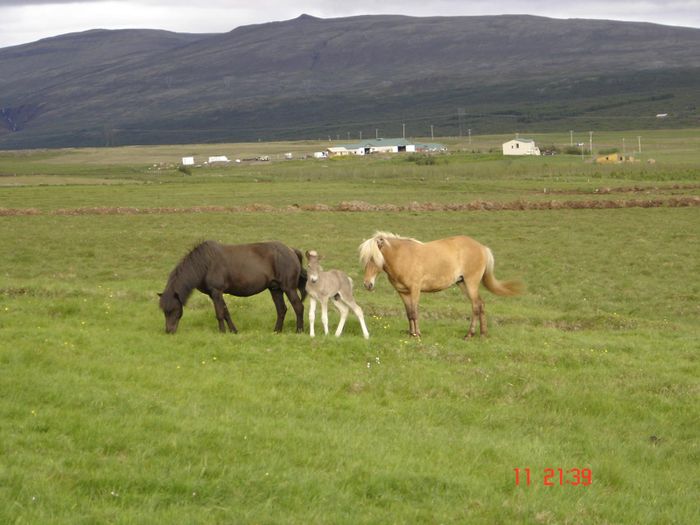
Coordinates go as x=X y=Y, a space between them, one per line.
x=361 y=206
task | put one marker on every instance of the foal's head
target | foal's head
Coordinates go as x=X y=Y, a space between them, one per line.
x=171 y=305
x=314 y=267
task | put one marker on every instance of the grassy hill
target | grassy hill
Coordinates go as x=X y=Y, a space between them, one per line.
x=311 y=78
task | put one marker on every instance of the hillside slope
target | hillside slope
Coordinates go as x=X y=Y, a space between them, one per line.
x=312 y=77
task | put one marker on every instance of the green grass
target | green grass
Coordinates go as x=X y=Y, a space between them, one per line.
x=107 y=419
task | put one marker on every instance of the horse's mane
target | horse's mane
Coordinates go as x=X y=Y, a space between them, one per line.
x=369 y=250
x=189 y=271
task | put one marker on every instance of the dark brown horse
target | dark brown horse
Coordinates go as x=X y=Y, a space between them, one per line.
x=241 y=270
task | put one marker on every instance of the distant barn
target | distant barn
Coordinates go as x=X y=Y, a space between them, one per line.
x=383 y=146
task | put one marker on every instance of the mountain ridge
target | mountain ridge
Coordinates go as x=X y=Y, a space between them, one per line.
x=288 y=79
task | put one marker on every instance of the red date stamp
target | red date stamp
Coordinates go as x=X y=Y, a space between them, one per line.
x=551 y=477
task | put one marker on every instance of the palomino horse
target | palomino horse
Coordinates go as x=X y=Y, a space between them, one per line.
x=414 y=267
x=242 y=270
x=335 y=285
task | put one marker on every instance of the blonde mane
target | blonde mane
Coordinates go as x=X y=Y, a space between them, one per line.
x=369 y=250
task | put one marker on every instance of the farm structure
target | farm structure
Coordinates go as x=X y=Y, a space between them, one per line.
x=218 y=158
x=383 y=146
x=613 y=158
x=520 y=147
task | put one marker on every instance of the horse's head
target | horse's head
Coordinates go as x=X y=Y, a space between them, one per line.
x=314 y=267
x=371 y=272
x=171 y=305
x=372 y=259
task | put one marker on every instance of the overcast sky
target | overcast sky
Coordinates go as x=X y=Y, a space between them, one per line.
x=28 y=21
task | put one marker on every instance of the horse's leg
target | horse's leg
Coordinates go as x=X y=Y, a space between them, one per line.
x=410 y=301
x=312 y=315
x=358 y=312
x=471 y=290
x=221 y=310
x=414 y=299
x=343 y=315
x=324 y=314
x=278 y=299
x=298 y=306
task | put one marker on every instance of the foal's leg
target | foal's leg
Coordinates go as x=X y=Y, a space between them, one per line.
x=350 y=301
x=340 y=305
x=278 y=299
x=221 y=311
x=312 y=315
x=324 y=314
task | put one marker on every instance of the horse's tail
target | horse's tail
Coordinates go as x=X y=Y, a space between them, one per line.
x=303 y=276
x=496 y=286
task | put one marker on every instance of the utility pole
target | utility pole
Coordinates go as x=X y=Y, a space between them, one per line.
x=404 y=129
x=432 y=132
x=360 y=135
x=571 y=137
x=470 y=135
x=590 y=142
x=639 y=141
x=376 y=133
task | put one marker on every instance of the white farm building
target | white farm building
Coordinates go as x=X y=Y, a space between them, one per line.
x=218 y=158
x=520 y=147
x=383 y=146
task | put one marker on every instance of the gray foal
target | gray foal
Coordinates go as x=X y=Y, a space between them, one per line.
x=335 y=285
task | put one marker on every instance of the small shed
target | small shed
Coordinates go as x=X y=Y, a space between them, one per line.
x=338 y=151
x=188 y=161
x=218 y=158
x=611 y=158
x=520 y=147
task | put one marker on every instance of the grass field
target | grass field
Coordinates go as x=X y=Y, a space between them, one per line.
x=105 y=419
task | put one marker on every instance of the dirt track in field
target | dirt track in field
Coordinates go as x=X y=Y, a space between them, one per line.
x=360 y=206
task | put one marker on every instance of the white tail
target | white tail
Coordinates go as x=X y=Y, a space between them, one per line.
x=493 y=284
